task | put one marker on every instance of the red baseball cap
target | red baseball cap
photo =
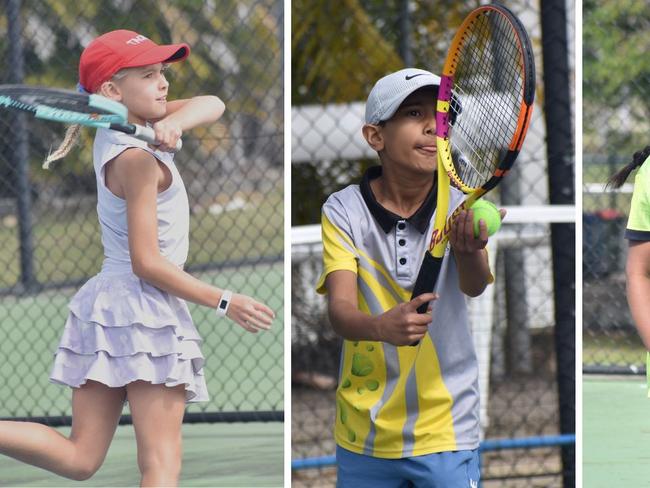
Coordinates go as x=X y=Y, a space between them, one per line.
x=118 y=49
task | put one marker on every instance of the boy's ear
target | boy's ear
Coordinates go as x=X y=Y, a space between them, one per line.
x=374 y=137
x=110 y=90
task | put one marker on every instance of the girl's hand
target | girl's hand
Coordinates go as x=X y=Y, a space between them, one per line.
x=250 y=314
x=168 y=133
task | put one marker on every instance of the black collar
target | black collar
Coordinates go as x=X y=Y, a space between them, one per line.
x=387 y=219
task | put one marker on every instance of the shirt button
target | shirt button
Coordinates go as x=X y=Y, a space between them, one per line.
x=402 y=242
x=402 y=261
x=401 y=226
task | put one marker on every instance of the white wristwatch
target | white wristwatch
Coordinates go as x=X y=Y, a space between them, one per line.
x=224 y=303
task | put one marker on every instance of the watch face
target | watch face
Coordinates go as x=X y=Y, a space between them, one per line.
x=222 y=304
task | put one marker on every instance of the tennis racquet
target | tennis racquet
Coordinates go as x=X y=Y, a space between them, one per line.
x=74 y=108
x=488 y=81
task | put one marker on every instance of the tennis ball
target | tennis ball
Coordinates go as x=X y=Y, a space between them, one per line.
x=489 y=213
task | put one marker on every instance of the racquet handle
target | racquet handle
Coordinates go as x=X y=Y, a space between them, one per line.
x=148 y=134
x=426 y=280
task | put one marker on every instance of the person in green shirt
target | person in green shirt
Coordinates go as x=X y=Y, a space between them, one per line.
x=637 y=232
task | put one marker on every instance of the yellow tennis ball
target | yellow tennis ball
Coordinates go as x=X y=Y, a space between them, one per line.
x=489 y=213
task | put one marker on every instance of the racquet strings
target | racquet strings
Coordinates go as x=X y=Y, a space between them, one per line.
x=30 y=100
x=57 y=105
x=489 y=83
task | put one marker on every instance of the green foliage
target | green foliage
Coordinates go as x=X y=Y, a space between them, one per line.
x=616 y=74
x=339 y=49
x=337 y=52
x=68 y=246
x=312 y=183
x=236 y=52
x=616 y=43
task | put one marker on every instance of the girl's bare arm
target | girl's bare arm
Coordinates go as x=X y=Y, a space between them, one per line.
x=137 y=173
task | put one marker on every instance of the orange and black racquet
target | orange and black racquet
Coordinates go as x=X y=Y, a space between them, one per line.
x=488 y=80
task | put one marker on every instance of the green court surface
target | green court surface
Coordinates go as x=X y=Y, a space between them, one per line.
x=244 y=371
x=216 y=455
x=616 y=432
x=68 y=244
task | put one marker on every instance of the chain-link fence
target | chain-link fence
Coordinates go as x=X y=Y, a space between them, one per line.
x=49 y=233
x=526 y=352
x=616 y=94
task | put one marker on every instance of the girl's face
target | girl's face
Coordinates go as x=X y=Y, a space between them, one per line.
x=144 y=92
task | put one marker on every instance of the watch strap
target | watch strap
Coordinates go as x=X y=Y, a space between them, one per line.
x=224 y=303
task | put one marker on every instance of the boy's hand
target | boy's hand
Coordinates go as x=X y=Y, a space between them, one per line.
x=168 y=133
x=461 y=237
x=402 y=325
x=250 y=314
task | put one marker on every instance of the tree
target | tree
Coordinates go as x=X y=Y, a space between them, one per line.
x=616 y=75
x=339 y=50
x=236 y=54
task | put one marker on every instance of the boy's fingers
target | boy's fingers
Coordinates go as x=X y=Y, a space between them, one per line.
x=415 y=335
x=453 y=234
x=421 y=299
x=503 y=212
x=468 y=229
x=483 y=232
x=422 y=320
x=459 y=237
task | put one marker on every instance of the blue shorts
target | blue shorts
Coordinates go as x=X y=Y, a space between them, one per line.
x=455 y=469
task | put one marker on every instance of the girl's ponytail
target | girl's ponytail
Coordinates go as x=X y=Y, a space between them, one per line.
x=618 y=178
x=74 y=131
x=70 y=139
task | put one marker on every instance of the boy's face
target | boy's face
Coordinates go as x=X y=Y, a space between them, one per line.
x=408 y=139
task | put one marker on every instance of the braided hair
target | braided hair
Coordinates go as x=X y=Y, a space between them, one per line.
x=73 y=132
x=71 y=138
x=618 y=178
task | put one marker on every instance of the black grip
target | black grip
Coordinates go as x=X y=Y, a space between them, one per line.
x=426 y=280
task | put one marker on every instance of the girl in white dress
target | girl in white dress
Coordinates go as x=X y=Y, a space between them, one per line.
x=129 y=335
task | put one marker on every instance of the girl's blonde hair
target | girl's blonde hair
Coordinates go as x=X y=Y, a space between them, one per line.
x=73 y=133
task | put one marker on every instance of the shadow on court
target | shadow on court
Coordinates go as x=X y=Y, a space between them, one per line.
x=246 y=455
x=616 y=432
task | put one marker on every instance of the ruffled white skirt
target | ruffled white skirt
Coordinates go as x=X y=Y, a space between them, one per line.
x=121 y=329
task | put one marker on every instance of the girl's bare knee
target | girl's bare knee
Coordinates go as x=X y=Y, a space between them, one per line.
x=84 y=469
x=163 y=462
x=84 y=464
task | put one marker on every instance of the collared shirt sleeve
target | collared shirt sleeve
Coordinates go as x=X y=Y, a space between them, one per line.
x=339 y=251
x=638 y=224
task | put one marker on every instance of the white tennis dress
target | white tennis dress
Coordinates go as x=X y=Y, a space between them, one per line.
x=121 y=329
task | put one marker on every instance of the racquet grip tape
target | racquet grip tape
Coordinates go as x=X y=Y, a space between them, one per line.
x=426 y=280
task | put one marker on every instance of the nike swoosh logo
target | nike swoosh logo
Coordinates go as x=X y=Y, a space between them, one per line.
x=413 y=76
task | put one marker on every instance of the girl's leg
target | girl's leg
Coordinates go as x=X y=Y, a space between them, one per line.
x=157 y=412
x=96 y=410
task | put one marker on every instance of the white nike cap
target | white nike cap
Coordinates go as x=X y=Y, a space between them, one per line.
x=391 y=90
